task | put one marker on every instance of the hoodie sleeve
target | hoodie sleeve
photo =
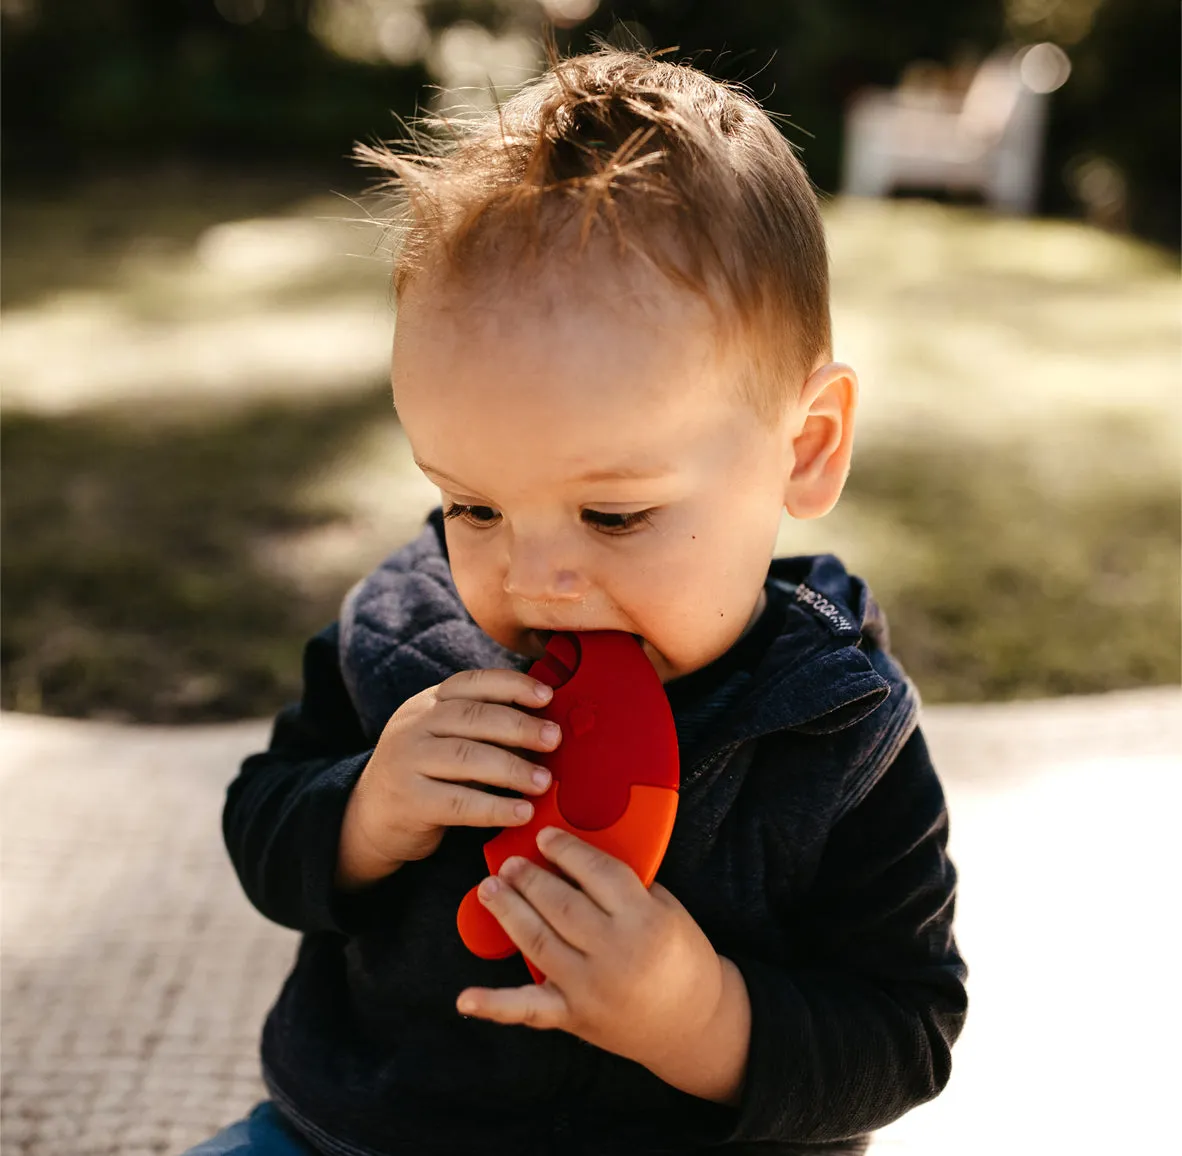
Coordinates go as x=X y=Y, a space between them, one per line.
x=860 y=1029
x=282 y=816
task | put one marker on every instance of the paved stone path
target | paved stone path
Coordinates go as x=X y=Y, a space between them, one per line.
x=136 y=976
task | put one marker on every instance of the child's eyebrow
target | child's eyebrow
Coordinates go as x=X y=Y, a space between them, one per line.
x=618 y=473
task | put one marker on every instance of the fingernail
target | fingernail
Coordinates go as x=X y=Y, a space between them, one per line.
x=550 y=732
x=511 y=866
x=467 y=1006
x=542 y=691
x=488 y=887
x=546 y=835
x=523 y=810
x=541 y=779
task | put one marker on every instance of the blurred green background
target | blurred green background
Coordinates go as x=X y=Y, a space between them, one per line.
x=198 y=449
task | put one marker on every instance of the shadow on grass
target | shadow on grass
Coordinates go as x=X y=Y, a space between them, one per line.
x=131 y=581
x=135 y=584
x=1018 y=591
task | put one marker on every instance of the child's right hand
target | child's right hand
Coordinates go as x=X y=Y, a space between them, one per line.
x=413 y=787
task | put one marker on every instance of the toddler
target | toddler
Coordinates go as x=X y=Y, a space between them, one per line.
x=612 y=356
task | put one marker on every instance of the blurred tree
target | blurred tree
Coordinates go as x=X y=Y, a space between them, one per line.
x=93 y=85
x=1113 y=145
x=296 y=81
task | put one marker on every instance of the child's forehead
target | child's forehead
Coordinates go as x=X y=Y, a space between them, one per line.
x=560 y=400
x=557 y=371
x=567 y=427
x=559 y=464
x=560 y=333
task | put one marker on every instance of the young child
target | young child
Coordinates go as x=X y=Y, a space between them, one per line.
x=613 y=358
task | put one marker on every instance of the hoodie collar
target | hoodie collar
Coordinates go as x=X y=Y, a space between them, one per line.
x=404 y=629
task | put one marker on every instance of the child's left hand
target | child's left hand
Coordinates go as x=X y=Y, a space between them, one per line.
x=626 y=967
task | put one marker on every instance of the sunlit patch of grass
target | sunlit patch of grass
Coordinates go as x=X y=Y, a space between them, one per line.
x=171 y=538
x=141 y=240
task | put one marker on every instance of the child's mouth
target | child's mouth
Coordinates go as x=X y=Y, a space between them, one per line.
x=542 y=637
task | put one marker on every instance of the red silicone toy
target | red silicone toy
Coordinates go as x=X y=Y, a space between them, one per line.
x=614 y=775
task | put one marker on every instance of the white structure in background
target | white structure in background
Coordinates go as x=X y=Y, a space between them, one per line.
x=991 y=141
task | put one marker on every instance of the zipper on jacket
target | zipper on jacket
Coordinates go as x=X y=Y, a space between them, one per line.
x=701 y=768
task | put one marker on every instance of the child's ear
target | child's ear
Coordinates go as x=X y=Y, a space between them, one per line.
x=822 y=441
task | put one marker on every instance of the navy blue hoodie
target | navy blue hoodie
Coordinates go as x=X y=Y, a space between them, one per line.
x=810 y=846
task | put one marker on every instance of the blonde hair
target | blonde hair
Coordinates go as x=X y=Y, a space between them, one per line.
x=686 y=173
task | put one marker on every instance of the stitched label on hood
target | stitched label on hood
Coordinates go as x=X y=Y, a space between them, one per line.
x=826 y=610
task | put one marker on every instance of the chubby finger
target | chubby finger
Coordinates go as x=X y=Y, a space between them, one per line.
x=539 y=1006
x=606 y=879
x=578 y=919
x=460 y=760
x=535 y=938
x=495 y=684
x=451 y=805
x=494 y=723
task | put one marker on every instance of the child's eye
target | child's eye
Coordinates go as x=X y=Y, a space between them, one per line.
x=612 y=524
x=618 y=523
x=471 y=514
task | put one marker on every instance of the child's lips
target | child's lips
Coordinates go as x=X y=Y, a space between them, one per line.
x=537 y=641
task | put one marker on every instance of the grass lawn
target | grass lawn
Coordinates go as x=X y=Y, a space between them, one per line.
x=199 y=454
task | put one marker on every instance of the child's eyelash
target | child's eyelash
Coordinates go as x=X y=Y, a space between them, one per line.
x=622 y=523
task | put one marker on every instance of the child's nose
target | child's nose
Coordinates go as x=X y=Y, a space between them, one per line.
x=536 y=575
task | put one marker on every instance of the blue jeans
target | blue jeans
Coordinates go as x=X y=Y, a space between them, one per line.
x=263 y=1133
